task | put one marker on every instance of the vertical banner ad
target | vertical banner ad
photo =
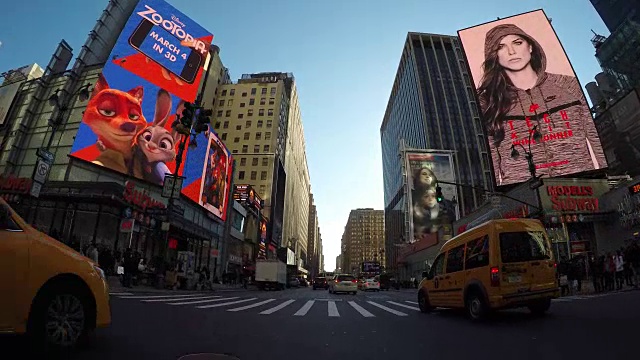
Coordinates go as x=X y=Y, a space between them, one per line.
x=426 y=214
x=155 y=66
x=525 y=83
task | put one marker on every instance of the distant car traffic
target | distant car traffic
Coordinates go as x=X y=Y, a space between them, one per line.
x=370 y=285
x=344 y=283
x=320 y=282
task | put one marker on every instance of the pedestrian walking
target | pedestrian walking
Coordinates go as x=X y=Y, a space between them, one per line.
x=618 y=261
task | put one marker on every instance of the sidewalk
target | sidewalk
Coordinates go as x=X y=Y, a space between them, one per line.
x=116 y=287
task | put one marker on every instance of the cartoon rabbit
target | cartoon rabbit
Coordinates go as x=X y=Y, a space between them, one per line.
x=155 y=145
x=115 y=117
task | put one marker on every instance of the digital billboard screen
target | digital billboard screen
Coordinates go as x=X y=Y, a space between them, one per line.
x=426 y=215
x=247 y=195
x=525 y=83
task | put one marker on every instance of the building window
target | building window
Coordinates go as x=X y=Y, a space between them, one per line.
x=244 y=94
x=263 y=175
x=217 y=126
x=259 y=123
x=242 y=104
x=250 y=112
x=263 y=188
x=256 y=148
x=245 y=149
x=273 y=91
x=227 y=113
x=221 y=103
x=253 y=91
x=261 y=112
x=270 y=112
x=219 y=114
x=258 y=136
x=254 y=161
x=241 y=175
x=236 y=140
x=225 y=125
x=252 y=101
x=232 y=92
x=224 y=92
x=230 y=102
x=263 y=91
x=272 y=101
x=263 y=101
x=243 y=161
x=238 y=127
x=269 y=123
x=235 y=151
x=266 y=148
x=240 y=116
x=265 y=161
x=254 y=175
x=246 y=135
x=224 y=136
x=267 y=136
x=248 y=124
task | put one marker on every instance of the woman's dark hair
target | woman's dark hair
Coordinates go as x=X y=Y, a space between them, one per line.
x=495 y=91
x=416 y=176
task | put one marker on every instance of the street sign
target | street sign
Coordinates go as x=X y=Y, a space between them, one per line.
x=172 y=186
x=495 y=201
x=45 y=155
x=35 y=189
x=42 y=171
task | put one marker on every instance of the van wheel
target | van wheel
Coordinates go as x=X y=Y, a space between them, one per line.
x=61 y=318
x=476 y=306
x=539 y=308
x=423 y=303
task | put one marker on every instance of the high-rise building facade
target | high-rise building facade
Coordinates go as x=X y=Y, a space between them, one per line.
x=615 y=12
x=363 y=239
x=313 y=240
x=432 y=106
x=259 y=120
x=618 y=53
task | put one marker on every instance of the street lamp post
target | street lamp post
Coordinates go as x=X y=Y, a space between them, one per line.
x=62 y=104
x=535 y=181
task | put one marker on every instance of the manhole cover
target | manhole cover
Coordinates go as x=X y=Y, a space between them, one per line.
x=209 y=357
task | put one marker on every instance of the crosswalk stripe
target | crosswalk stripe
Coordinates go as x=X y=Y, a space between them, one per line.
x=179 y=299
x=252 y=305
x=201 y=301
x=225 y=304
x=404 y=306
x=305 y=308
x=158 y=296
x=412 y=302
x=276 y=308
x=360 y=309
x=395 y=312
x=332 y=309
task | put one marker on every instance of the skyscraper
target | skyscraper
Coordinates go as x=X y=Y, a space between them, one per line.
x=363 y=239
x=614 y=12
x=432 y=106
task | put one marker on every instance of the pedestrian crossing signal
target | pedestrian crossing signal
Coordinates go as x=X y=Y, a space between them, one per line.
x=439 y=196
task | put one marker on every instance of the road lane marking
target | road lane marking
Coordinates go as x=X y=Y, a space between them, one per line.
x=120 y=293
x=395 y=312
x=202 y=301
x=158 y=296
x=412 y=302
x=305 y=308
x=404 y=306
x=225 y=304
x=360 y=309
x=562 y=300
x=276 y=308
x=332 y=309
x=182 y=299
x=252 y=305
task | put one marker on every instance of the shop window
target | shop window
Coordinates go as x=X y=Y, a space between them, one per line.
x=254 y=161
x=254 y=175
x=241 y=175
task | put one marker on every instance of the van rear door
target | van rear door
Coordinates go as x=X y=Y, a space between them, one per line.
x=526 y=262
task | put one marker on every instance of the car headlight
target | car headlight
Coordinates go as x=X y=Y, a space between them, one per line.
x=100 y=272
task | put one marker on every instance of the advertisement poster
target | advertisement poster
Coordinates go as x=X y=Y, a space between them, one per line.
x=525 y=83
x=247 y=195
x=426 y=214
x=155 y=66
x=213 y=177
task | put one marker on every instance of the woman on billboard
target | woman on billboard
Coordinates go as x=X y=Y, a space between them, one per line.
x=428 y=214
x=524 y=105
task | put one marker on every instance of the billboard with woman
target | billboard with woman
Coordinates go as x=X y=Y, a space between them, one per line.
x=425 y=172
x=530 y=99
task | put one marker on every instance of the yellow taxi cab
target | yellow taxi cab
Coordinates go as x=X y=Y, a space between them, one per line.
x=49 y=291
x=499 y=264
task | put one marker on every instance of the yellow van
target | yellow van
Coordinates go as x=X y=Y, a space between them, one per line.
x=499 y=264
x=49 y=291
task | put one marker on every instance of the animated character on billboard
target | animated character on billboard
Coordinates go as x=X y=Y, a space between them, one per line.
x=516 y=94
x=428 y=214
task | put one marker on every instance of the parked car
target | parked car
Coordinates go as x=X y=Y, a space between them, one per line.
x=293 y=282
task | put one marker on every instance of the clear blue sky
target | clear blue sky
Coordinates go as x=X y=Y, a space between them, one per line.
x=343 y=53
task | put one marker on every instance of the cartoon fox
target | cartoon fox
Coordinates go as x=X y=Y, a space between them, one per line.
x=115 y=117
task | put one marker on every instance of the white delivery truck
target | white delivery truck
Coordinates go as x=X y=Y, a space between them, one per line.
x=271 y=274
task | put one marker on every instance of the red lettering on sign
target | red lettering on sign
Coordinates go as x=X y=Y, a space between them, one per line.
x=572 y=198
x=15 y=184
x=563 y=115
x=140 y=198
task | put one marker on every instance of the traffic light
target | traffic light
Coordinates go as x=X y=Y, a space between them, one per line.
x=187 y=114
x=439 y=196
x=203 y=120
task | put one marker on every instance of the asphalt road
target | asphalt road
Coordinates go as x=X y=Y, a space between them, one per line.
x=306 y=324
